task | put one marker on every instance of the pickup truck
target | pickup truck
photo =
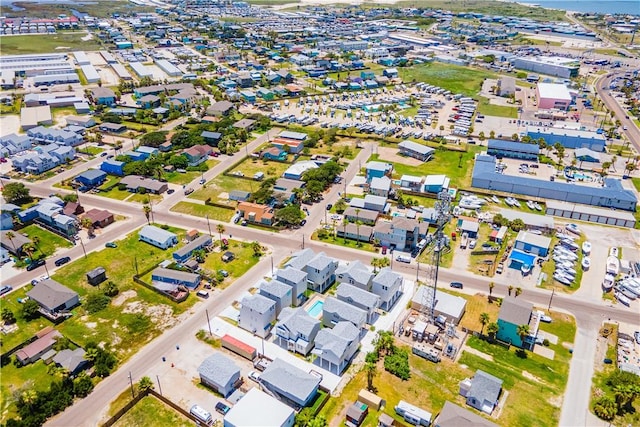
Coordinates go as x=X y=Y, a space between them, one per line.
x=188 y=191
x=464 y=240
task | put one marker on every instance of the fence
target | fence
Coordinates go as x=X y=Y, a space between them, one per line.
x=111 y=421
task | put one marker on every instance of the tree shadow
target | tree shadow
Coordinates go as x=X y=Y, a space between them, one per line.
x=522 y=354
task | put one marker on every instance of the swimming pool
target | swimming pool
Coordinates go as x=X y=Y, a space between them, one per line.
x=316 y=309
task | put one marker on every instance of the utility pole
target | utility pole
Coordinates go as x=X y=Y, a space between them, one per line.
x=209 y=226
x=83 y=249
x=553 y=291
x=208 y=322
x=159 y=386
x=131 y=383
x=272 y=265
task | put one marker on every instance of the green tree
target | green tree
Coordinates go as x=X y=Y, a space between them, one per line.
x=111 y=289
x=510 y=288
x=484 y=320
x=318 y=421
x=340 y=206
x=372 y=370
x=16 y=192
x=289 y=215
x=492 y=330
x=605 y=408
x=257 y=249
x=518 y=291
x=491 y=286
x=147 y=213
x=220 y=228
x=144 y=384
x=523 y=333
x=30 y=310
x=82 y=385
x=96 y=302
x=517 y=224
x=8 y=316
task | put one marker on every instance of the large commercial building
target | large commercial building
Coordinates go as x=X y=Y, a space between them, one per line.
x=550 y=65
x=29 y=65
x=611 y=195
x=553 y=96
x=569 y=138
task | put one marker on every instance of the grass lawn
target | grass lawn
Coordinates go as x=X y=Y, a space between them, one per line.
x=457 y=79
x=215 y=213
x=476 y=305
x=111 y=181
x=151 y=411
x=144 y=198
x=444 y=162
x=25 y=330
x=16 y=379
x=115 y=193
x=250 y=166
x=243 y=261
x=127 y=329
x=223 y=184
x=49 y=242
x=181 y=178
x=485 y=107
x=38 y=43
x=348 y=243
x=636 y=183
x=92 y=150
x=430 y=386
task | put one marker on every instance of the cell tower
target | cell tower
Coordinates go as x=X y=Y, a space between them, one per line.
x=439 y=243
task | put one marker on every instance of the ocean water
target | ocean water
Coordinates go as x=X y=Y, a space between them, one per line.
x=602 y=6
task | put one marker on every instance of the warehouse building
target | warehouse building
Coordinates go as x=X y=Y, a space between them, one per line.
x=170 y=69
x=31 y=117
x=81 y=58
x=611 y=195
x=553 y=96
x=569 y=138
x=141 y=70
x=550 y=65
x=121 y=71
x=512 y=150
x=591 y=214
x=90 y=73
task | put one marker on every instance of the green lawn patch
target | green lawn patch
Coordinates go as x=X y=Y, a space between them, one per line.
x=347 y=243
x=244 y=260
x=144 y=198
x=38 y=43
x=91 y=150
x=181 y=178
x=636 y=183
x=49 y=242
x=251 y=165
x=110 y=182
x=222 y=185
x=215 y=213
x=125 y=328
x=115 y=193
x=17 y=379
x=457 y=79
x=151 y=411
x=486 y=108
x=25 y=329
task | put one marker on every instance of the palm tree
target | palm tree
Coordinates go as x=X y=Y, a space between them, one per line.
x=518 y=291
x=220 y=229
x=375 y=263
x=29 y=248
x=10 y=235
x=147 y=212
x=29 y=397
x=345 y=221
x=523 y=333
x=491 y=286
x=510 y=289
x=484 y=320
x=492 y=330
x=605 y=408
x=257 y=248
x=371 y=369
x=145 y=384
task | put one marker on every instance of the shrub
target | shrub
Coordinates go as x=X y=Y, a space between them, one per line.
x=96 y=302
x=397 y=363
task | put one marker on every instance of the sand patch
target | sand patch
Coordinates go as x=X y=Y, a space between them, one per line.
x=391 y=154
x=161 y=315
x=531 y=376
x=91 y=325
x=122 y=297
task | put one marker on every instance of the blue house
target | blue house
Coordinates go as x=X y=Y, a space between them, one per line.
x=391 y=73
x=103 y=96
x=185 y=252
x=136 y=156
x=378 y=169
x=112 y=167
x=533 y=243
x=149 y=151
x=365 y=75
x=157 y=237
x=164 y=276
x=248 y=95
x=91 y=178
x=513 y=313
x=211 y=138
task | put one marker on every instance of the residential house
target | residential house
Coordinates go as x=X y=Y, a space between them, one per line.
x=135 y=183
x=167 y=279
x=277 y=291
x=211 y=138
x=220 y=108
x=259 y=408
x=453 y=415
x=411 y=183
x=290 y=145
x=377 y=169
x=296 y=330
x=289 y=383
x=391 y=73
x=91 y=178
x=415 y=150
x=103 y=96
x=295 y=278
x=34 y=163
x=469 y=225
x=536 y=244
x=245 y=124
x=357 y=232
x=360 y=298
x=335 y=310
x=355 y=273
x=257 y=314
x=297 y=170
x=44 y=342
x=388 y=286
x=365 y=216
x=320 y=269
x=157 y=237
x=253 y=212
x=274 y=153
x=53 y=298
x=14 y=144
x=401 y=233
x=149 y=101
x=219 y=373
x=239 y=195
x=435 y=183
x=336 y=347
x=185 y=252
x=99 y=217
x=197 y=154
x=515 y=312
x=482 y=391
x=80 y=121
x=112 y=167
x=380 y=186
x=6 y=221
x=148 y=151
x=72 y=361
x=112 y=127
x=15 y=244
x=370 y=202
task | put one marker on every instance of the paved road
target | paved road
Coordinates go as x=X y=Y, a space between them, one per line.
x=602 y=87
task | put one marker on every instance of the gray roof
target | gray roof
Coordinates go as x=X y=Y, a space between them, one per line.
x=275 y=287
x=336 y=340
x=175 y=274
x=366 y=214
x=357 y=270
x=51 y=294
x=70 y=359
x=485 y=387
x=92 y=174
x=383 y=183
x=345 y=311
x=156 y=234
x=499 y=144
x=297 y=321
x=515 y=311
x=300 y=259
x=414 y=146
x=197 y=243
x=218 y=369
x=534 y=239
x=18 y=240
x=290 y=379
x=96 y=272
x=453 y=415
x=291 y=274
x=386 y=277
x=349 y=293
x=258 y=303
x=293 y=135
x=379 y=166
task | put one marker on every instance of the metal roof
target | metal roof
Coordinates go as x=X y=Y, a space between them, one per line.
x=218 y=369
x=290 y=380
x=352 y=294
x=345 y=311
x=485 y=387
x=258 y=303
x=515 y=311
x=520 y=147
x=156 y=234
x=51 y=294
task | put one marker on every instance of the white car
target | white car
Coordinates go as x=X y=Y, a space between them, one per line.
x=546 y=319
x=254 y=376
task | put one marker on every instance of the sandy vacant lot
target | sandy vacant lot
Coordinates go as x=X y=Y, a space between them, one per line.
x=391 y=154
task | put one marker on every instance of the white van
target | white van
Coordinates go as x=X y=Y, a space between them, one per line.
x=403 y=258
x=201 y=414
x=203 y=294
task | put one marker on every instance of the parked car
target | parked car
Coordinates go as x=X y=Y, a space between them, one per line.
x=222 y=408
x=254 y=376
x=171 y=191
x=546 y=319
x=384 y=250
x=62 y=261
x=500 y=268
x=35 y=264
x=111 y=245
x=457 y=285
x=223 y=273
x=5 y=289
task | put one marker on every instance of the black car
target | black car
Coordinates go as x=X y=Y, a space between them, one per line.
x=222 y=408
x=329 y=206
x=456 y=285
x=303 y=222
x=62 y=261
x=35 y=264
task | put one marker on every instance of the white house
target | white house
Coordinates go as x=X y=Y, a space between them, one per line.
x=296 y=330
x=219 y=373
x=335 y=347
x=320 y=269
x=360 y=298
x=257 y=314
x=295 y=278
x=157 y=237
x=355 y=273
x=388 y=286
x=277 y=291
x=335 y=311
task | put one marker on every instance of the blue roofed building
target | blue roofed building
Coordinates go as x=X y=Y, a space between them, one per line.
x=157 y=237
x=587 y=155
x=569 y=138
x=611 y=195
x=149 y=151
x=136 y=156
x=185 y=252
x=513 y=150
x=167 y=279
x=377 y=169
x=112 y=167
x=91 y=178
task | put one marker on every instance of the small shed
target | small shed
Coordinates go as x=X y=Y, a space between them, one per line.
x=258 y=176
x=385 y=420
x=372 y=400
x=356 y=414
x=228 y=256
x=96 y=276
